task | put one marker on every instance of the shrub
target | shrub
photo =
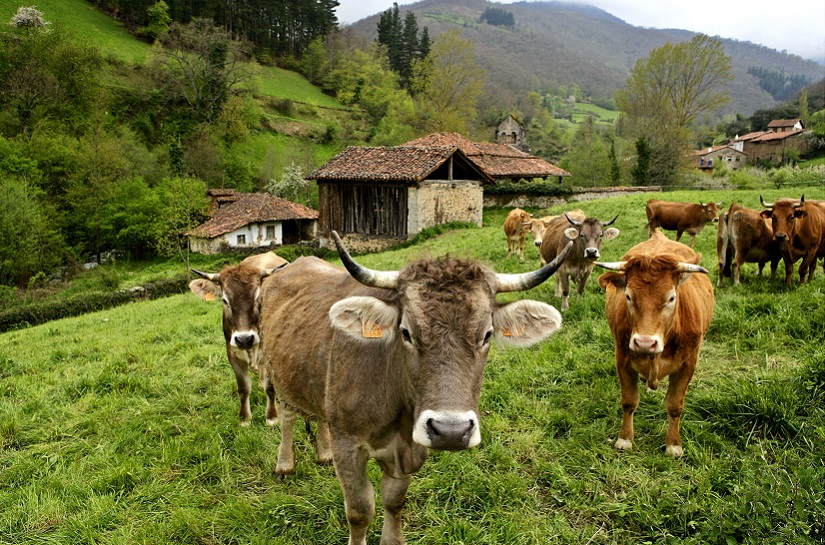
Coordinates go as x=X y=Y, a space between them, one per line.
x=536 y=188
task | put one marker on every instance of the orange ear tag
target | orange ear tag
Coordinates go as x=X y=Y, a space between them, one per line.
x=209 y=297
x=507 y=332
x=371 y=330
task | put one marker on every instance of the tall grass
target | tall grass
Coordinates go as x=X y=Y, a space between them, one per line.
x=120 y=427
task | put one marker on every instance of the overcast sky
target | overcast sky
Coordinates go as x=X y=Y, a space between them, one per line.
x=797 y=26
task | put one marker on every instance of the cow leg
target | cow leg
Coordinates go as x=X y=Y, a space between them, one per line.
x=286 y=452
x=629 y=384
x=558 y=284
x=521 y=249
x=241 y=369
x=675 y=403
x=737 y=266
x=775 y=265
x=788 y=269
x=806 y=268
x=692 y=239
x=359 y=498
x=582 y=280
x=393 y=496
x=323 y=444
x=564 y=280
x=271 y=404
x=678 y=235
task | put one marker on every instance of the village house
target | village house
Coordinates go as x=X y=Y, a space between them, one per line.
x=251 y=220
x=511 y=132
x=707 y=159
x=774 y=146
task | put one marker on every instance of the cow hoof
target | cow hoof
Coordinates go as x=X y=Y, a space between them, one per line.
x=623 y=444
x=325 y=461
x=244 y=423
x=674 y=450
x=271 y=422
x=282 y=472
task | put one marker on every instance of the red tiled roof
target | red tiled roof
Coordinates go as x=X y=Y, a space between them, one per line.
x=400 y=163
x=749 y=136
x=498 y=160
x=778 y=123
x=251 y=208
x=776 y=135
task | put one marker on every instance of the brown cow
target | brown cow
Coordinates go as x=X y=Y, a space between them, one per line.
x=682 y=217
x=516 y=226
x=239 y=288
x=743 y=235
x=659 y=310
x=798 y=228
x=587 y=235
x=537 y=227
x=392 y=361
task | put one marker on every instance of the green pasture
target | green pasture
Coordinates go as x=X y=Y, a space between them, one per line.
x=88 y=23
x=120 y=427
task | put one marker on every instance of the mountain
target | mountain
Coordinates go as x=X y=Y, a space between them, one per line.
x=560 y=43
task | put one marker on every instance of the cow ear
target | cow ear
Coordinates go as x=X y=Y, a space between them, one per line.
x=572 y=233
x=206 y=290
x=766 y=213
x=800 y=213
x=615 y=279
x=611 y=233
x=525 y=322
x=365 y=318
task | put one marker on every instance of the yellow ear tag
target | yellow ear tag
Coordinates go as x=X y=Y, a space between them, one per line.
x=209 y=297
x=507 y=332
x=371 y=330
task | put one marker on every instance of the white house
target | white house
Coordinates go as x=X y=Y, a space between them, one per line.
x=252 y=220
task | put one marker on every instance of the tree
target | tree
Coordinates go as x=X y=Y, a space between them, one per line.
x=159 y=20
x=292 y=186
x=183 y=207
x=804 y=113
x=403 y=42
x=448 y=83
x=666 y=92
x=641 y=170
x=199 y=66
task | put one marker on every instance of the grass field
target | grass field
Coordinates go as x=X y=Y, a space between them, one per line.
x=120 y=427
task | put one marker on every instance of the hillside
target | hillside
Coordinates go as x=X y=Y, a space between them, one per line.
x=557 y=43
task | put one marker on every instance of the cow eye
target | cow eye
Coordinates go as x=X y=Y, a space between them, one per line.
x=487 y=337
x=671 y=300
x=405 y=334
x=225 y=300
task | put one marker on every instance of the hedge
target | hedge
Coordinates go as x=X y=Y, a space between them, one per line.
x=20 y=317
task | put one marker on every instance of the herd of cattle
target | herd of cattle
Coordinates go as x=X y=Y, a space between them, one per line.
x=390 y=363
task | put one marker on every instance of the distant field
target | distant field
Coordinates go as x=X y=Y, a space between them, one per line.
x=282 y=83
x=88 y=23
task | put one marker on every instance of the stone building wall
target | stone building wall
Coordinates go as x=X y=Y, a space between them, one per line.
x=436 y=202
x=520 y=200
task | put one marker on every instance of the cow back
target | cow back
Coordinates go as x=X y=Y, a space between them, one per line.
x=554 y=240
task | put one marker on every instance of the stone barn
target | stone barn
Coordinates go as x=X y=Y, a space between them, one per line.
x=375 y=197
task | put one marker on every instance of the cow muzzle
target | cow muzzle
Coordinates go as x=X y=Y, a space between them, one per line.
x=591 y=253
x=244 y=339
x=646 y=344
x=447 y=430
x=537 y=242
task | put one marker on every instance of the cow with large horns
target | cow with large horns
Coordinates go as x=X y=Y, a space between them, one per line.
x=659 y=305
x=587 y=235
x=743 y=235
x=239 y=287
x=798 y=229
x=682 y=217
x=393 y=362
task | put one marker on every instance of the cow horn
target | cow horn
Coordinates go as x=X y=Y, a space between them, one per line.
x=765 y=204
x=368 y=277
x=267 y=272
x=691 y=268
x=214 y=277
x=801 y=202
x=529 y=280
x=612 y=265
x=611 y=221
x=572 y=221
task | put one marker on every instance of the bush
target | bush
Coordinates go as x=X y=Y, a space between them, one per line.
x=536 y=188
x=19 y=317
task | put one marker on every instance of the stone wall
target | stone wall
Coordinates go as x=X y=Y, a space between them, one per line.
x=515 y=200
x=436 y=202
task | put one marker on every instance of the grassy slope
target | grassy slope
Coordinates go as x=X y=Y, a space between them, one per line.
x=93 y=25
x=120 y=427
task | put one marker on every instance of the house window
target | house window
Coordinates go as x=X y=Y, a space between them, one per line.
x=241 y=240
x=270 y=232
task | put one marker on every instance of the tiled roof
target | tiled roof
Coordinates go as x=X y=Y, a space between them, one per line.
x=251 y=208
x=776 y=135
x=401 y=163
x=498 y=160
x=778 y=123
x=749 y=136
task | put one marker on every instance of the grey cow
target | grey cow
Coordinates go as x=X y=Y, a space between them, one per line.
x=392 y=362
